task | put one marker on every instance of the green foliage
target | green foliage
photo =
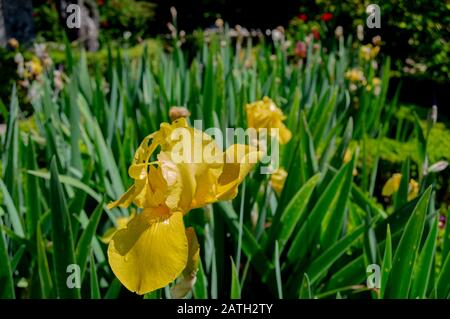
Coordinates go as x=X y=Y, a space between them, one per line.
x=119 y=16
x=314 y=240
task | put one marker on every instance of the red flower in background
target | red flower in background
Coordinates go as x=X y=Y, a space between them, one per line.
x=315 y=33
x=300 y=49
x=303 y=17
x=327 y=16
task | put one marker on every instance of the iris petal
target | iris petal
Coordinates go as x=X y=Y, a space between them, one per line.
x=151 y=252
x=240 y=159
x=193 y=253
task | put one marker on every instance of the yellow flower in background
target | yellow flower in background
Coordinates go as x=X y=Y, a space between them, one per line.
x=265 y=114
x=376 y=81
x=356 y=76
x=413 y=189
x=392 y=185
x=277 y=180
x=189 y=171
x=347 y=158
x=376 y=86
x=369 y=52
x=34 y=67
x=13 y=43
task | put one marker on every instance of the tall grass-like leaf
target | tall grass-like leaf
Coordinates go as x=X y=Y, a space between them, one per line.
x=333 y=221
x=423 y=266
x=3 y=110
x=235 y=292
x=442 y=284
x=74 y=116
x=284 y=224
x=208 y=92
x=95 y=289
x=305 y=288
x=321 y=264
x=6 y=278
x=387 y=262
x=13 y=214
x=10 y=159
x=250 y=246
x=399 y=281
x=103 y=152
x=325 y=117
x=401 y=196
x=68 y=180
x=200 y=289
x=354 y=270
x=45 y=278
x=422 y=143
x=63 y=249
x=278 y=271
x=17 y=257
x=304 y=238
x=241 y=223
x=446 y=240
x=366 y=202
x=114 y=289
x=83 y=78
x=84 y=244
x=32 y=194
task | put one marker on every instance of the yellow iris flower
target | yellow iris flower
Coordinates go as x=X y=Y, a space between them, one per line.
x=413 y=189
x=34 y=67
x=265 y=114
x=369 y=52
x=356 y=75
x=277 y=180
x=393 y=184
x=153 y=250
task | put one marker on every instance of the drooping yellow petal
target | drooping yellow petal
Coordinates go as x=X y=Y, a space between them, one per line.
x=413 y=189
x=151 y=252
x=193 y=252
x=277 y=180
x=125 y=200
x=392 y=185
x=285 y=134
x=239 y=160
x=146 y=192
